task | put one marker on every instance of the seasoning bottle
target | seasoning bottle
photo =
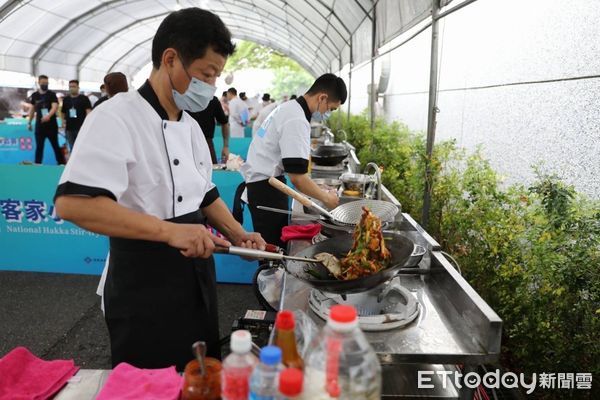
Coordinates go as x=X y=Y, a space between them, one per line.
x=285 y=339
x=198 y=386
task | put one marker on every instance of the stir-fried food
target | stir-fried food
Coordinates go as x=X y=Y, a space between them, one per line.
x=368 y=254
x=332 y=263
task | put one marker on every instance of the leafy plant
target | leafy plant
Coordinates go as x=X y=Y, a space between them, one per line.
x=532 y=253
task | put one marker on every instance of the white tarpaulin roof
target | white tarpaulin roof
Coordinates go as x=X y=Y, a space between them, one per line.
x=86 y=39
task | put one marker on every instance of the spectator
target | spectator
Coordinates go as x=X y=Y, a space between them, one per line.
x=239 y=116
x=75 y=108
x=115 y=82
x=207 y=120
x=224 y=103
x=45 y=106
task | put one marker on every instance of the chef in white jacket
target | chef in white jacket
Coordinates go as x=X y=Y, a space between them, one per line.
x=239 y=115
x=141 y=173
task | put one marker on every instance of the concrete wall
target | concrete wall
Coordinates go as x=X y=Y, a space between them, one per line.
x=493 y=43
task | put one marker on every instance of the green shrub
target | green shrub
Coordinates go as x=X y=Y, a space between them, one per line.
x=532 y=253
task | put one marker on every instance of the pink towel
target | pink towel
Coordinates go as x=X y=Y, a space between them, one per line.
x=300 y=232
x=23 y=376
x=128 y=382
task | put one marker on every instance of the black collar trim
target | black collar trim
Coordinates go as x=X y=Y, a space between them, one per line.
x=150 y=96
x=302 y=101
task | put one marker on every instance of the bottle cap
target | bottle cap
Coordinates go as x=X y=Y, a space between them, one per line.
x=342 y=313
x=270 y=355
x=241 y=342
x=285 y=320
x=342 y=318
x=290 y=382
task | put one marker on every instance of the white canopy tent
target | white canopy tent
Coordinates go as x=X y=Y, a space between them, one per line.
x=85 y=40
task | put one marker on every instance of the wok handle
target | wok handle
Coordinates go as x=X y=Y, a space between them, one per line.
x=282 y=187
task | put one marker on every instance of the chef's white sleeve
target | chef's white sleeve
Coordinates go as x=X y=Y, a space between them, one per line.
x=295 y=146
x=100 y=160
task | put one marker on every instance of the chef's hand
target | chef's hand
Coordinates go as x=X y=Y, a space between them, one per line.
x=331 y=200
x=251 y=240
x=225 y=154
x=46 y=118
x=194 y=240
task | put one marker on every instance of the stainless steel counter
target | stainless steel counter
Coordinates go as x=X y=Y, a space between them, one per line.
x=455 y=325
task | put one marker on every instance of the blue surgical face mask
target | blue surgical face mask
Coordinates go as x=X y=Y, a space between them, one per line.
x=317 y=116
x=196 y=97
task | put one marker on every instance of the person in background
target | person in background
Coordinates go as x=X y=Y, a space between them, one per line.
x=207 y=120
x=75 y=107
x=114 y=83
x=45 y=107
x=238 y=114
x=265 y=101
x=224 y=103
x=262 y=115
x=282 y=147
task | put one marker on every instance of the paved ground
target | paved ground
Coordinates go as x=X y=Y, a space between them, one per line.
x=58 y=316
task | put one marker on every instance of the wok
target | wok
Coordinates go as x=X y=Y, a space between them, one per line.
x=329 y=154
x=404 y=252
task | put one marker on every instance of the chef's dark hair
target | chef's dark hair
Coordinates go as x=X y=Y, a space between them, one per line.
x=332 y=85
x=191 y=31
x=42 y=77
x=74 y=81
x=232 y=90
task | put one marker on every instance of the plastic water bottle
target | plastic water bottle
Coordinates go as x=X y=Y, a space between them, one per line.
x=341 y=363
x=264 y=380
x=238 y=367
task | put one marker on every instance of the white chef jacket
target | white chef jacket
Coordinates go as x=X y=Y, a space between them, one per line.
x=237 y=107
x=128 y=150
x=282 y=143
x=262 y=115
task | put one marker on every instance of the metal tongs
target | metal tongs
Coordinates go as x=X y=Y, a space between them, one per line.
x=260 y=254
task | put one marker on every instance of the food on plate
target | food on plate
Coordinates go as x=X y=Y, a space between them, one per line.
x=368 y=254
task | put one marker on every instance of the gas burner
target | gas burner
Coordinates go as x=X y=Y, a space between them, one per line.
x=388 y=306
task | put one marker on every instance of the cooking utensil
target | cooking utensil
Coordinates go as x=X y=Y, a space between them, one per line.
x=402 y=250
x=260 y=254
x=329 y=182
x=329 y=154
x=199 y=350
x=305 y=201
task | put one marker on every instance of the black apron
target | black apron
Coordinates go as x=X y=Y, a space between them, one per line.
x=267 y=223
x=158 y=302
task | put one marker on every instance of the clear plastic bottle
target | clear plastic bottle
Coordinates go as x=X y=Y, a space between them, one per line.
x=238 y=367
x=264 y=379
x=291 y=382
x=341 y=363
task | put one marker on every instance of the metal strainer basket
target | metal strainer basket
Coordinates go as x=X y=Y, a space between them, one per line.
x=350 y=213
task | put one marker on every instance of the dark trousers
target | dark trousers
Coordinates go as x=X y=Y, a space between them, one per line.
x=211 y=147
x=40 y=137
x=71 y=137
x=267 y=223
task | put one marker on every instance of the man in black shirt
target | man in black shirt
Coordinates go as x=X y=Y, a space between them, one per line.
x=206 y=119
x=45 y=106
x=74 y=110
